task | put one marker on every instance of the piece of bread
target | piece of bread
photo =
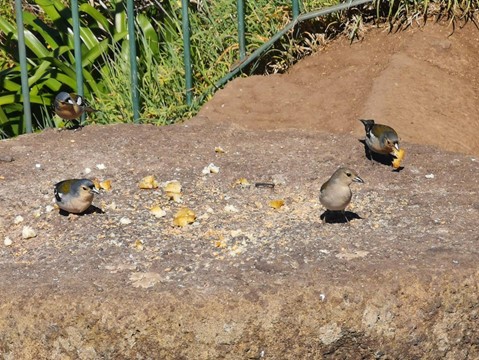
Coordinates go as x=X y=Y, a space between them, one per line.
x=399 y=154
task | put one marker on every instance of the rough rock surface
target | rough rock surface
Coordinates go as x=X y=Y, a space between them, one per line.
x=245 y=280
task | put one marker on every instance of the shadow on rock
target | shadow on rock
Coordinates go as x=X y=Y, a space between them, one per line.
x=91 y=210
x=338 y=217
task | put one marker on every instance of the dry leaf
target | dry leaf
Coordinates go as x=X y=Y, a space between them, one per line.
x=276 y=204
x=219 y=149
x=184 y=217
x=157 y=211
x=242 y=182
x=399 y=154
x=148 y=182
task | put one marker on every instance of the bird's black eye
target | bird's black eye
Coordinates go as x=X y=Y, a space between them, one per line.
x=84 y=188
x=349 y=174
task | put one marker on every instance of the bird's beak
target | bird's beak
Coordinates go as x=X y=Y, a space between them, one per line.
x=358 y=180
x=95 y=190
x=396 y=145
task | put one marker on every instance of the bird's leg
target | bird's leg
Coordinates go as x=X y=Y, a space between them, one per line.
x=73 y=217
x=344 y=214
x=78 y=125
x=369 y=155
x=325 y=215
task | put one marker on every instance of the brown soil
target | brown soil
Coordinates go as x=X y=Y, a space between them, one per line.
x=247 y=281
x=422 y=82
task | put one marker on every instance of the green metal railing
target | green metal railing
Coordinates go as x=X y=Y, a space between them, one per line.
x=22 y=54
x=135 y=96
x=187 y=52
x=300 y=18
x=77 y=51
x=244 y=60
x=241 y=32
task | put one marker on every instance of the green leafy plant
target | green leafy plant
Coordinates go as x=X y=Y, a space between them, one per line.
x=50 y=56
x=214 y=50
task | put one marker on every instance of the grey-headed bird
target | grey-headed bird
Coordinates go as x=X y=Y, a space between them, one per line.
x=70 y=106
x=75 y=195
x=381 y=139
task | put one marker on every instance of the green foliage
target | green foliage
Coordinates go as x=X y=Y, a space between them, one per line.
x=214 y=49
x=50 y=56
x=105 y=59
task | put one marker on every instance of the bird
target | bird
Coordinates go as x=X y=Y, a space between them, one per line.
x=381 y=139
x=75 y=195
x=335 y=194
x=71 y=106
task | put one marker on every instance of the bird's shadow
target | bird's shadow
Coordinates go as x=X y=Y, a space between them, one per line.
x=385 y=159
x=91 y=210
x=74 y=125
x=338 y=217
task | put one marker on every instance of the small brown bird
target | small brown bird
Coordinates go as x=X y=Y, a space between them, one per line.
x=70 y=106
x=335 y=194
x=75 y=195
x=381 y=139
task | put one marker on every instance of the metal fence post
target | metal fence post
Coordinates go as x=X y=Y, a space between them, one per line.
x=77 y=49
x=186 y=51
x=295 y=9
x=241 y=32
x=133 y=65
x=23 y=67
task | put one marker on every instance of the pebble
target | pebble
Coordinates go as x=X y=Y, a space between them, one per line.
x=125 y=221
x=231 y=208
x=6 y=158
